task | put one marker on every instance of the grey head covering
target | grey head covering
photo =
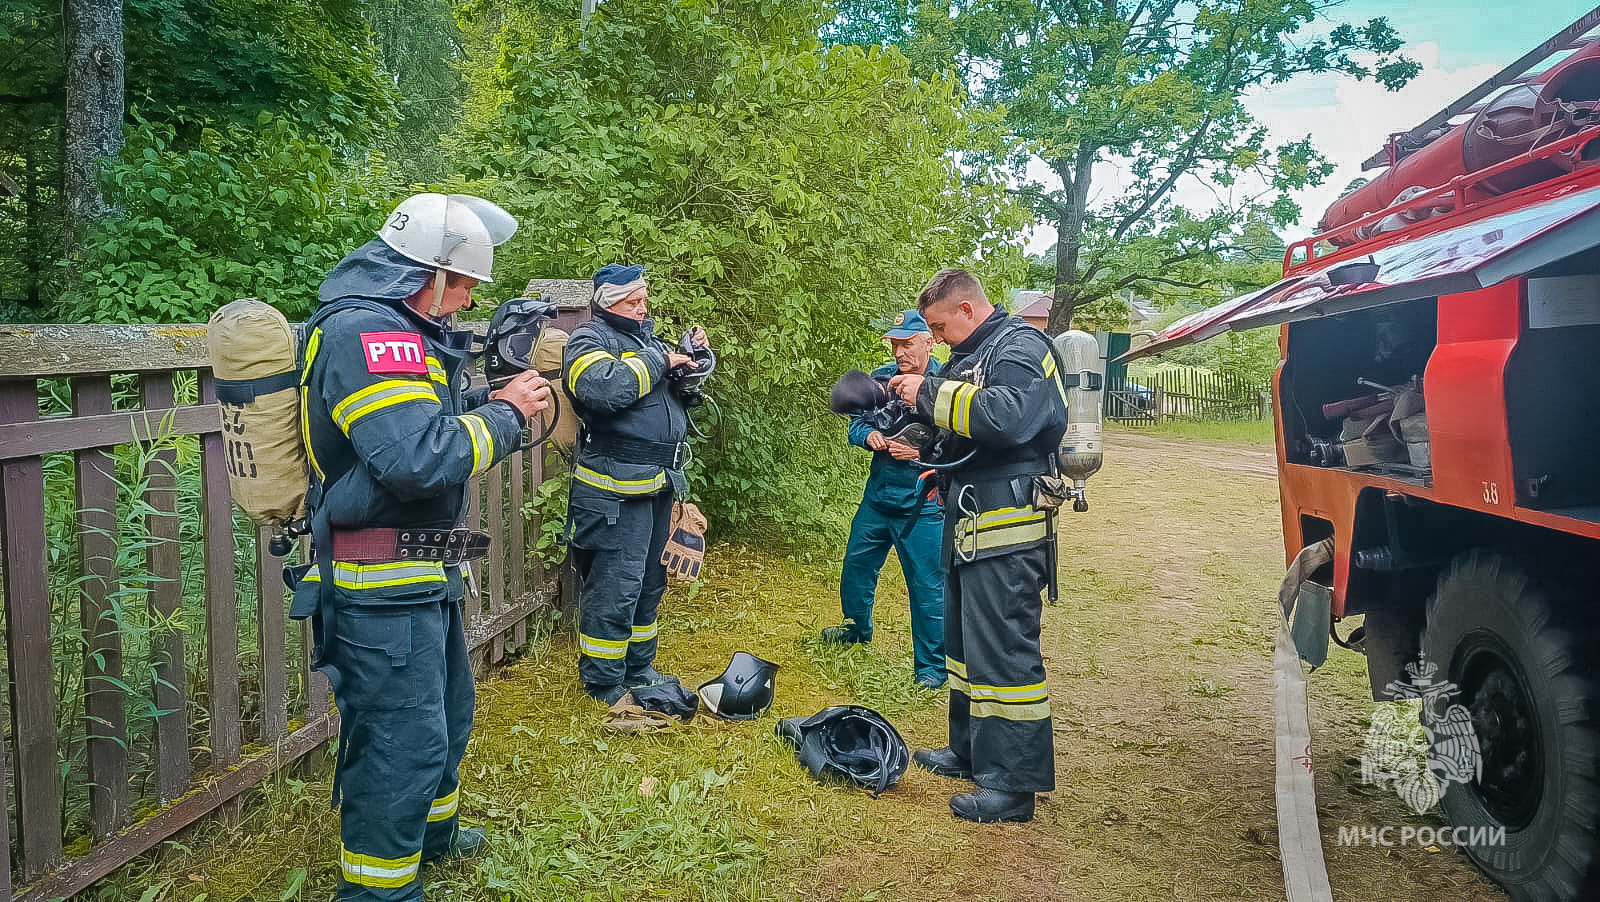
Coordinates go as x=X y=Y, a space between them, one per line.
x=376 y=272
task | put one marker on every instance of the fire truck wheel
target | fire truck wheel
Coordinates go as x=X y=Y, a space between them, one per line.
x=1523 y=673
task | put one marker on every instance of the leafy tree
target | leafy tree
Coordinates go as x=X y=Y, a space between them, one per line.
x=422 y=52
x=241 y=211
x=191 y=65
x=1155 y=86
x=789 y=196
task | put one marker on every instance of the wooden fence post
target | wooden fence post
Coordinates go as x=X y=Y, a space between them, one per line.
x=163 y=561
x=104 y=708
x=29 y=645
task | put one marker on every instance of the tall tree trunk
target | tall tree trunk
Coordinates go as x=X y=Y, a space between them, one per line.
x=33 y=252
x=94 y=106
x=1075 y=175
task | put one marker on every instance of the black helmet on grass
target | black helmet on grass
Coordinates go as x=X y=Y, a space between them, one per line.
x=743 y=691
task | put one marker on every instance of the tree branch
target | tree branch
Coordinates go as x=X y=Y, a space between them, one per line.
x=1188 y=155
x=1035 y=196
x=1160 y=280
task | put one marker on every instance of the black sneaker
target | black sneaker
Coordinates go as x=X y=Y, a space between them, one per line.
x=844 y=635
x=943 y=762
x=993 y=806
x=646 y=677
x=606 y=695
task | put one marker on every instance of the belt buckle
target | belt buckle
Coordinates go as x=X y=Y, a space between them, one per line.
x=455 y=545
x=681 y=455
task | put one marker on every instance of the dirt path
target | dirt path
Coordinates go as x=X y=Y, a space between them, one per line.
x=1160 y=675
x=1159 y=657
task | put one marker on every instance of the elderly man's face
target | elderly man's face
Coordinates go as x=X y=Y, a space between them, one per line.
x=635 y=306
x=911 y=354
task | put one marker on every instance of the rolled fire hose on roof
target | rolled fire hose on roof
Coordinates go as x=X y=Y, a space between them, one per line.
x=1305 y=872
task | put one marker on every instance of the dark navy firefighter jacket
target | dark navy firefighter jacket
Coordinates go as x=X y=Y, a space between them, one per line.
x=615 y=371
x=392 y=432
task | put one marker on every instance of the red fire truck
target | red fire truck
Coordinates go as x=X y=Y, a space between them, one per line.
x=1438 y=418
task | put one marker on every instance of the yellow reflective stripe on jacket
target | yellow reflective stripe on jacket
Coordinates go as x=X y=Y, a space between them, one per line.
x=370 y=870
x=445 y=808
x=1033 y=692
x=952 y=406
x=312 y=344
x=600 y=480
x=640 y=369
x=1001 y=528
x=436 y=371
x=644 y=633
x=379 y=396
x=955 y=668
x=608 y=649
x=1004 y=711
x=381 y=576
x=1049 y=365
x=583 y=363
x=482 y=441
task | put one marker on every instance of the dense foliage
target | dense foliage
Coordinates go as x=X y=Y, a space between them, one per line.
x=194 y=69
x=787 y=195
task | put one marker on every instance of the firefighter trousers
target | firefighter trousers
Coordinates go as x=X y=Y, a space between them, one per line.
x=616 y=548
x=403 y=684
x=999 y=706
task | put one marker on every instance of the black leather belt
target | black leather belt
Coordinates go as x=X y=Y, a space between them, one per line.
x=672 y=455
x=450 y=546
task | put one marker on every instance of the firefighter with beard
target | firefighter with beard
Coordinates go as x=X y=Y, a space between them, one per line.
x=1001 y=409
x=628 y=469
x=394 y=437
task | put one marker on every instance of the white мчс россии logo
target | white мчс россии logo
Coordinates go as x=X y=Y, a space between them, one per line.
x=1421 y=758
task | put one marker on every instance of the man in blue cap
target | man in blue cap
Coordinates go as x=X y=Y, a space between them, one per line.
x=629 y=465
x=896 y=513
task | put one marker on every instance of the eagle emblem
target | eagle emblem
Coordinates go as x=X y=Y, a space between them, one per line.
x=900 y=318
x=1420 y=751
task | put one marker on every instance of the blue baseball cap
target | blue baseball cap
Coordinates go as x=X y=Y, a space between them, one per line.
x=907 y=324
x=617 y=274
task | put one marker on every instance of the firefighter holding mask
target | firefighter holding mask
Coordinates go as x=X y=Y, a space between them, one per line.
x=628 y=468
x=1001 y=409
x=393 y=438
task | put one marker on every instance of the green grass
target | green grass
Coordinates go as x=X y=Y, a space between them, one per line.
x=713 y=810
x=1249 y=432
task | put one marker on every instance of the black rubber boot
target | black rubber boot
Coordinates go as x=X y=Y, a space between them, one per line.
x=989 y=806
x=606 y=695
x=844 y=635
x=943 y=762
x=468 y=843
x=646 y=677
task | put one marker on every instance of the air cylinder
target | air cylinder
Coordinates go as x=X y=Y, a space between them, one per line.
x=1080 y=454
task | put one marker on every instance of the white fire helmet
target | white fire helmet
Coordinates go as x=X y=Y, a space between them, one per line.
x=454 y=232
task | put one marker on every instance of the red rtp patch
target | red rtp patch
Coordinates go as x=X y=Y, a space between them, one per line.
x=393 y=352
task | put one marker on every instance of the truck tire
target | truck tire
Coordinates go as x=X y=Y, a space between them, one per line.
x=1528 y=682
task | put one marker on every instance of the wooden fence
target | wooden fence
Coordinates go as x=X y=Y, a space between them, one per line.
x=154 y=675
x=1184 y=394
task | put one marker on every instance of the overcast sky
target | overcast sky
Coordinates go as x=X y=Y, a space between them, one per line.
x=1458 y=44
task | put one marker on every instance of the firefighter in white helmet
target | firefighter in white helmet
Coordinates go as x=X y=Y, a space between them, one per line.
x=394 y=439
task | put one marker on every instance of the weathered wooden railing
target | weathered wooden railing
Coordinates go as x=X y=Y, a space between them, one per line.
x=210 y=721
